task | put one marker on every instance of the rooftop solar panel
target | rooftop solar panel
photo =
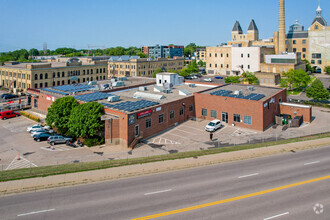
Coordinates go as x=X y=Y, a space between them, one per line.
x=92 y=96
x=131 y=106
x=55 y=91
x=228 y=93
x=74 y=88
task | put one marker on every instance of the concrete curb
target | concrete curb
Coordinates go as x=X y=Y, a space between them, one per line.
x=42 y=183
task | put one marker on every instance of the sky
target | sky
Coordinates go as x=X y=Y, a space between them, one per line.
x=110 y=23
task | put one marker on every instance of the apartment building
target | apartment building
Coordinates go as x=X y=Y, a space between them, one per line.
x=21 y=76
x=159 y=51
x=128 y=66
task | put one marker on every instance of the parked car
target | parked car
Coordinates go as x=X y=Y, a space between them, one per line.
x=34 y=127
x=208 y=80
x=8 y=96
x=188 y=77
x=194 y=76
x=41 y=137
x=213 y=125
x=218 y=77
x=41 y=130
x=8 y=114
x=58 y=139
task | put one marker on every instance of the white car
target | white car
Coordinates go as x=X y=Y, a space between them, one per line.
x=213 y=125
x=34 y=127
x=39 y=131
x=208 y=80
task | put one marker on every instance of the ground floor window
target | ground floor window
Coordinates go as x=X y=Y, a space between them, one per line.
x=237 y=118
x=204 y=112
x=161 y=118
x=247 y=120
x=148 y=123
x=171 y=114
x=213 y=114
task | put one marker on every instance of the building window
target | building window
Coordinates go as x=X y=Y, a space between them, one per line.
x=319 y=61
x=241 y=55
x=35 y=85
x=304 y=56
x=148 y=123
x=204 y=112
x=213 y=114
x=171 y=114
x=53 y=83
x=304 y=50
x=36 y=77
x=294 y=49
x=227 y=55
x=316 y=56
x=247 y=120
x=303 y=41
x=216 y=65
x=191 y=108
x=181 y=111
x=40 y=85
x=46 y=75
x=227 y=65
x=46 y=84
x=210 y=64
x=312 y=61
x=210 y=55
x=53 y=74
x=248 y=55
x=63 y=74
x=294 y=42
x=216 y=55
x=221 y=55
x=58 y=75
x=161 y=118
x=248 y=66
x=237 y=118
x=316 y=27
x=41 y=76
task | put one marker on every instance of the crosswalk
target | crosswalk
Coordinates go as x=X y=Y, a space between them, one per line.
x=21 y=163
x=161 y=140
x=59 y=148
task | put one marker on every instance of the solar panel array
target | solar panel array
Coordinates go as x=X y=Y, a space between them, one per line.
x=74 y=88
x=227 y=93
x=92 y=96
x=55 y=91
x=130 y=106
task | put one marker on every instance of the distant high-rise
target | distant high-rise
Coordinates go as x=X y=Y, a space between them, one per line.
x=281 y=27
x=45 y=47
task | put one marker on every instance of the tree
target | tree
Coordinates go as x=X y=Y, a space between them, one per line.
x=317 y=91
x=295 y=79
x=59 y=113
x=201 y=63
x=250 y=78
x=158 y=70
x=34 y=52
x=309 y=68
x=85 y=119
x=142 y=55
x=232 y=79
x=191 y=68
x=327 y=69
x=189 y=49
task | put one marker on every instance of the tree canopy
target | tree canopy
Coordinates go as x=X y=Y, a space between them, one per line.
x=191 y=68
x=85 y=119
x=158 y=70
x=59 y=113
x=295 y=79
x=250 y=78
x=232 y=79
x=327 y=69
x=317 y=91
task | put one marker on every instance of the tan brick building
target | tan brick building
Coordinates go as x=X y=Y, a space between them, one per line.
x=142 y=66
x=21 y=76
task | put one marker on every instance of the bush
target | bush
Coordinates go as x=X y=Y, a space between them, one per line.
x=93 y=141
x=30 y=116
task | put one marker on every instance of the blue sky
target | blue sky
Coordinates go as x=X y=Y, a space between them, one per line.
x=79 y=23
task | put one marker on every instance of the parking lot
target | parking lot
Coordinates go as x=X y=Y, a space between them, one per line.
x=191 y=135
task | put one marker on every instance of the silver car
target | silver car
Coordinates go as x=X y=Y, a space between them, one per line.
x=58 y=139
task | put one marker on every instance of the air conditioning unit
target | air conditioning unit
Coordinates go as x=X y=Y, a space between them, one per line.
x=192 y=85
x=142 y=88
x=167 y=91
x=251 y=88
x=113 y=98
x=237 y=92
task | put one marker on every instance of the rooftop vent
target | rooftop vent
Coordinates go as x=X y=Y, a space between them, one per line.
x=139 y=95
x=192 y=85
x=158 y=89
x=184 y=92
x=251 y=88
x=167 y=91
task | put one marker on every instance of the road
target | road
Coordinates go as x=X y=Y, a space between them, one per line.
x=285 y=186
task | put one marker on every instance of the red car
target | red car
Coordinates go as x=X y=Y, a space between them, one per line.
x=8 y=114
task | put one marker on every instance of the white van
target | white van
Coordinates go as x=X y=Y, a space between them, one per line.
x=213 y=125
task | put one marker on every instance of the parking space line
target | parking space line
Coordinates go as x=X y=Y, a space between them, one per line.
x=167 y=190
x=253 y=174
x=275 y=216
x=178 y=136
x=22 y=163
x=314 y=162
x=193 y=128
x=36 y=212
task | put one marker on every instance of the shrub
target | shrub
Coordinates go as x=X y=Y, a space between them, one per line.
x=93 y=141
x=30 y=116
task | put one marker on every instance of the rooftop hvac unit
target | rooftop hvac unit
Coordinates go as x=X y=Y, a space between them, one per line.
x=113 y=80
x=237 y=92
x=142 y=88
x=167 y=91
x=192 y=85
x=113 y=98
x=251 y=88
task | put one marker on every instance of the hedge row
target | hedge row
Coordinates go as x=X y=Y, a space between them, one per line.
x=30 y=116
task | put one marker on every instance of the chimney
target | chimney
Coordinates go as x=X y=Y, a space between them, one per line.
x=281 y=28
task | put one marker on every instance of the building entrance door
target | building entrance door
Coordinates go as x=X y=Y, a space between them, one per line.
x=137 y=130
x=225 y=117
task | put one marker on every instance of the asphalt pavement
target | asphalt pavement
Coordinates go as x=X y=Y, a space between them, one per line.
x=287 y=186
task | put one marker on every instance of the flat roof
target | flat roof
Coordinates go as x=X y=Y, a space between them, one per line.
x=262 y=90
x=53 y=65
x=127 y=95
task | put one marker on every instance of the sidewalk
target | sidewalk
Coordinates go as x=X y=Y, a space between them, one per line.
x=40 y=183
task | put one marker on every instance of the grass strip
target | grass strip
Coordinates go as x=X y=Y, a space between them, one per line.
x=33 y=172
